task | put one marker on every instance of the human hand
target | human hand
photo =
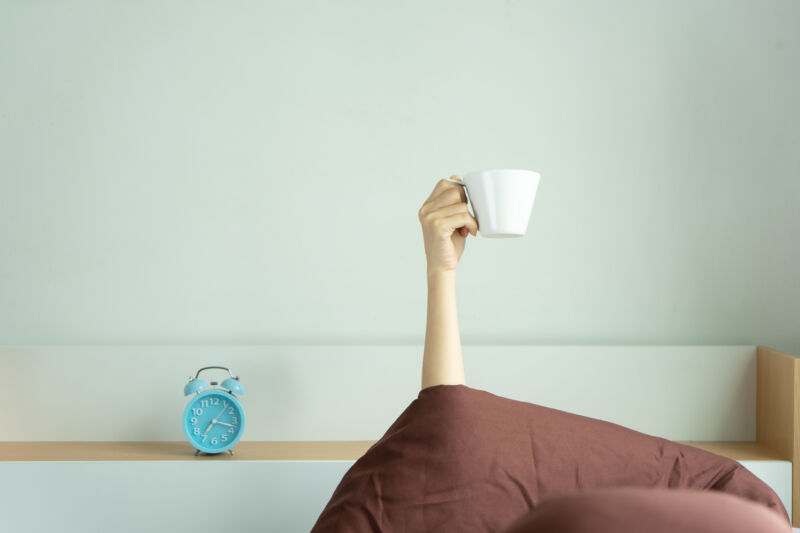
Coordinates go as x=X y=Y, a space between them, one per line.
x=445 y=223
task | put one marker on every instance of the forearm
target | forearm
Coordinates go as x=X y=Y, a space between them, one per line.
x=442 y=362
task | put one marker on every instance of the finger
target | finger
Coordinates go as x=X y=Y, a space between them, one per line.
x=455 y=186
x=446 y=198
x=443 y=185
x=436 y=190
x=449 y=210
x=449 y=224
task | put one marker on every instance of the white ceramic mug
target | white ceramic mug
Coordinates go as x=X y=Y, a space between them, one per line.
x=501 y=200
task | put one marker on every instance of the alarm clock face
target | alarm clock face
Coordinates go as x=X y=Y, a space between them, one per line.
x=213 y=421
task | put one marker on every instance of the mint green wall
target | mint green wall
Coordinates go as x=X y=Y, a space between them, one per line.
x=245 y=172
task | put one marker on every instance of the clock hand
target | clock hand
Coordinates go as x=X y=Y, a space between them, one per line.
x=225 y=423
x=215 y=421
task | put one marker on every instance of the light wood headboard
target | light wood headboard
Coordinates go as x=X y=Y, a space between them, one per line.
x=777 y=409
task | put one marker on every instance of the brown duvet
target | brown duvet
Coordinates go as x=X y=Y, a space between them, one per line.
x=461 y=459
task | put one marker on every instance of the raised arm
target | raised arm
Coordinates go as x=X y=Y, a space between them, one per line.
x=446 y=222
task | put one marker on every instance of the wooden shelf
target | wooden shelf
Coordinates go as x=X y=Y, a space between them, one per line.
x=739 y=451
x=272 y=451
x=181 y=451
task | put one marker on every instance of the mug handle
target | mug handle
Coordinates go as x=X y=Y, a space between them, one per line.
x=469 y=203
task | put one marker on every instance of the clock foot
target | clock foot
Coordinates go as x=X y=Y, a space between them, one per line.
x=198 y=452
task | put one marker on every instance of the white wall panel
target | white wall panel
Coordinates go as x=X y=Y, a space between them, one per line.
x=191 y=496
x=355 y=392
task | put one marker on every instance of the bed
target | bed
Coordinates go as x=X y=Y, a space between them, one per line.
x=305 y=429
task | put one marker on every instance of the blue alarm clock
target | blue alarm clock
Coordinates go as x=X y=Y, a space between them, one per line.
x=213 y=420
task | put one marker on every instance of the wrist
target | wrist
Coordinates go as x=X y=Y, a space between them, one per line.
x=440 y=276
